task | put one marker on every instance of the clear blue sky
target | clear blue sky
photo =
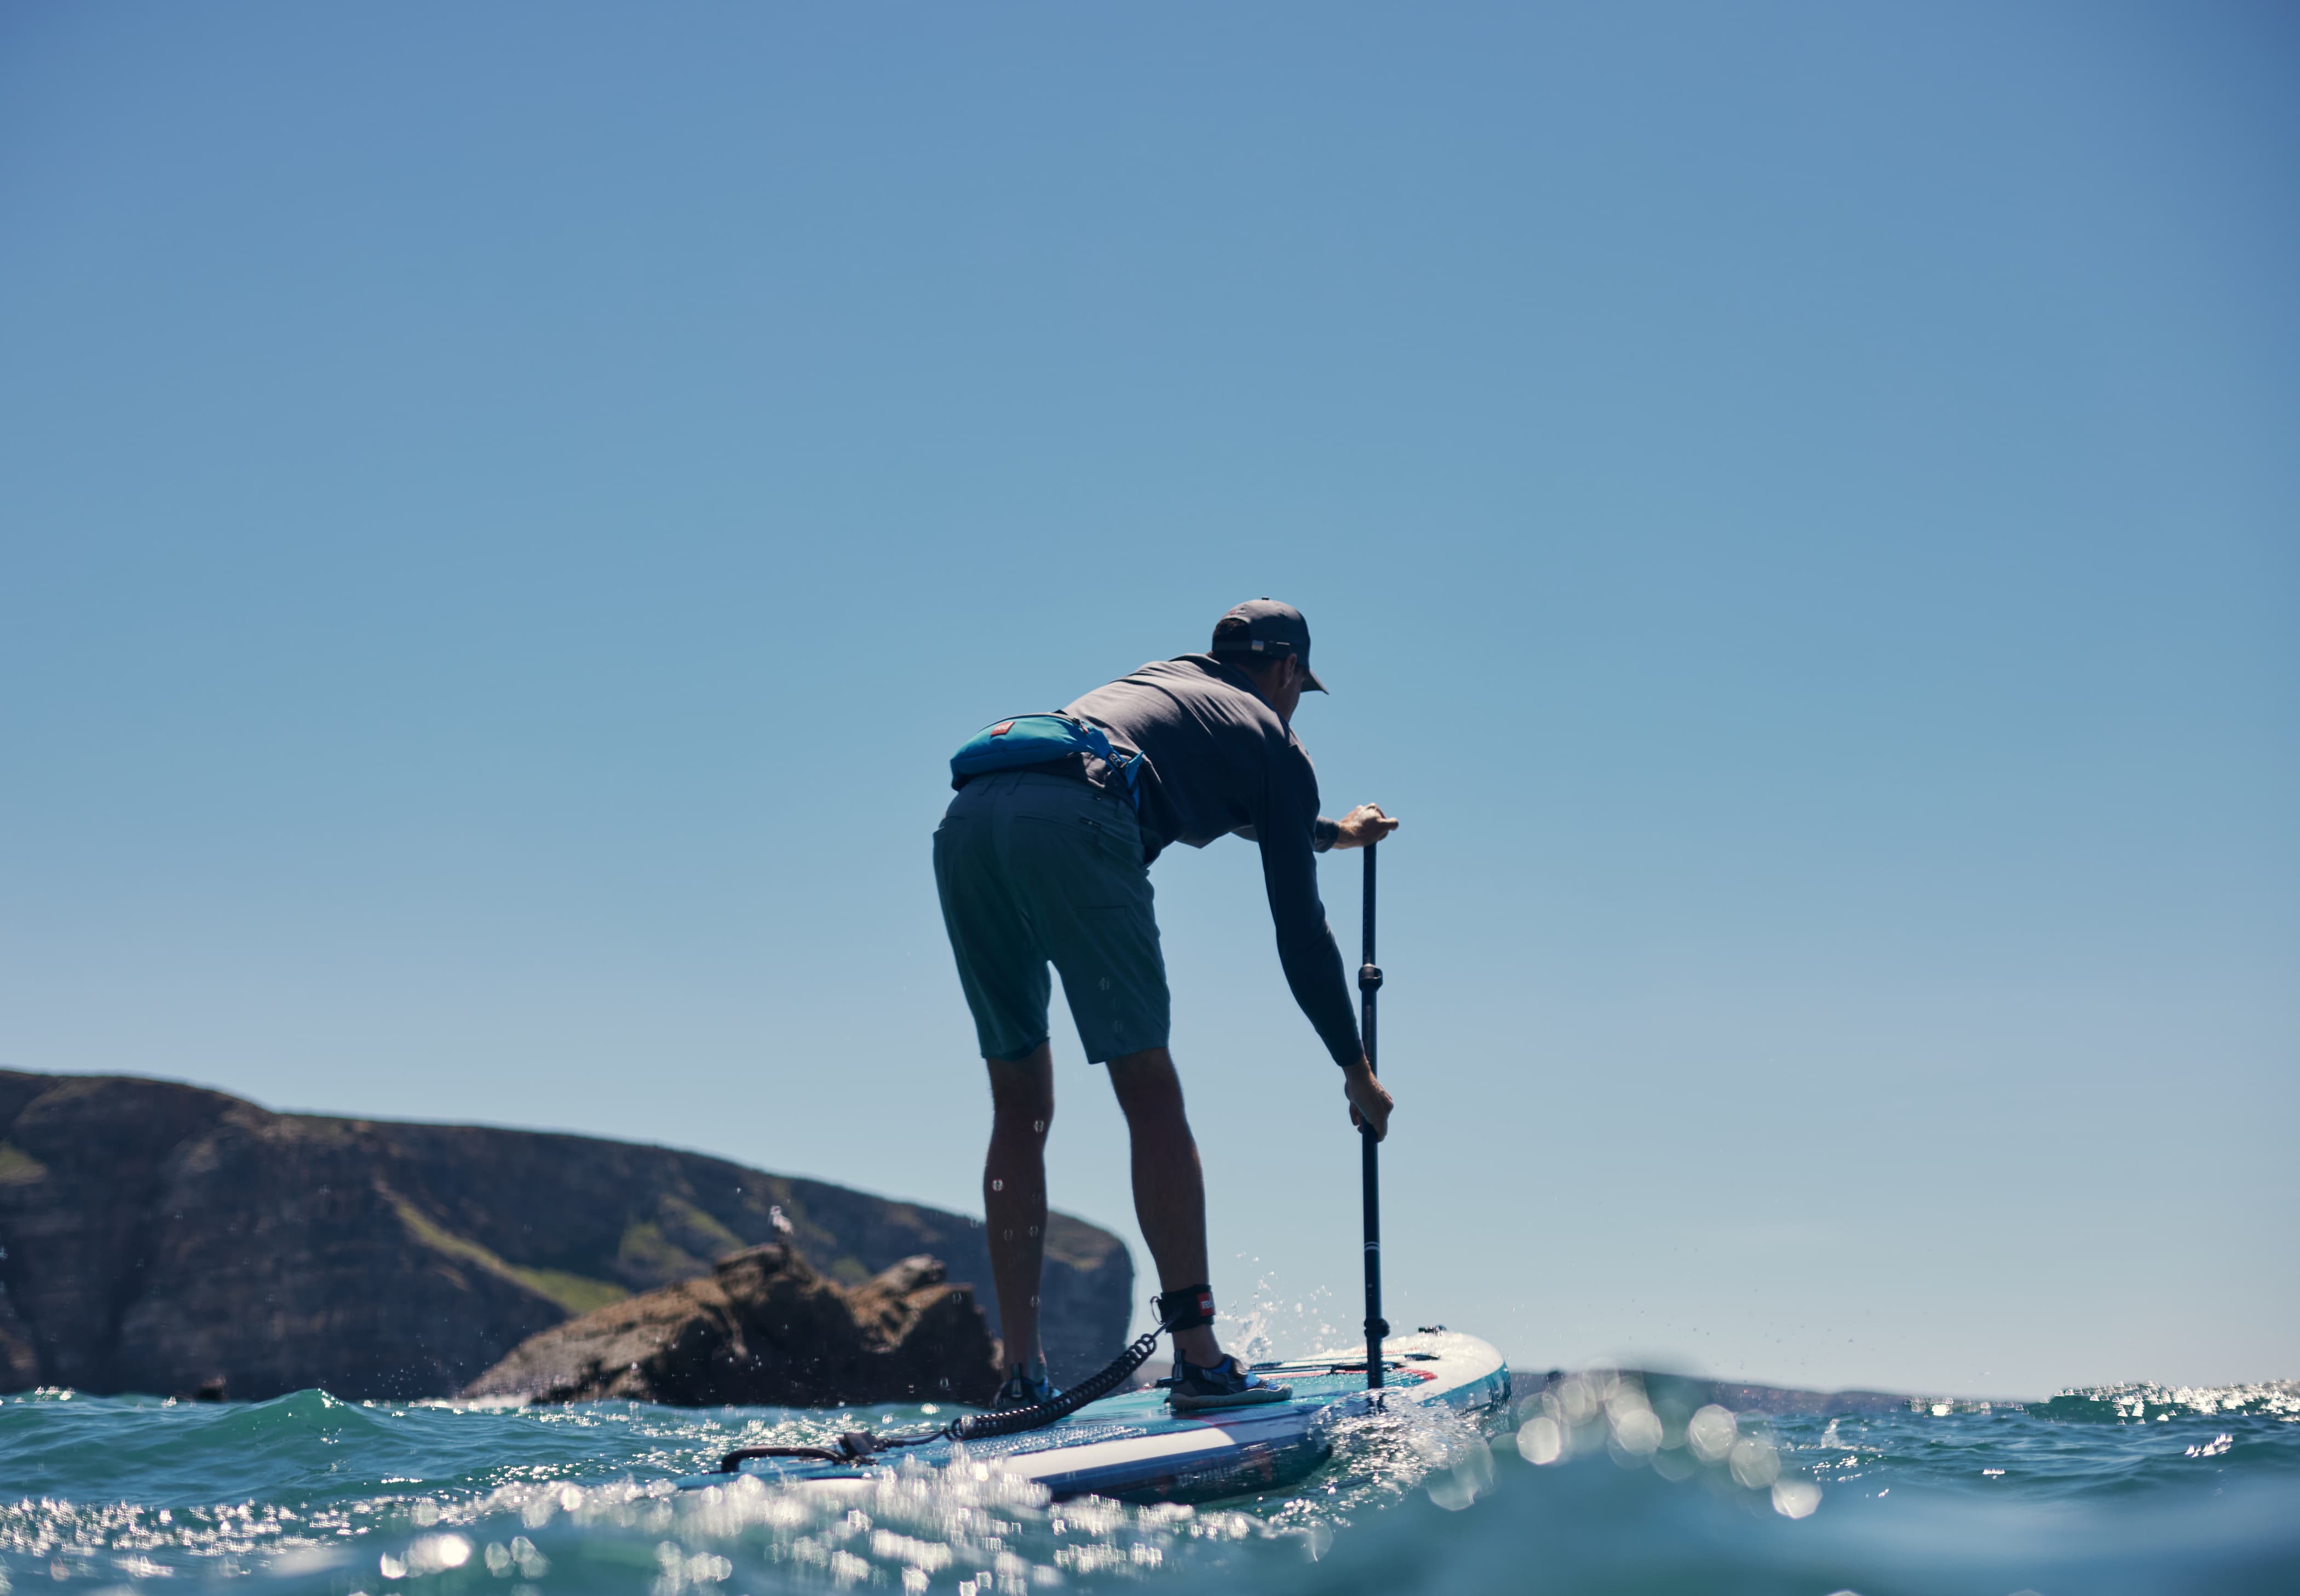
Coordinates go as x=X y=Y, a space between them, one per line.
x=505 y=510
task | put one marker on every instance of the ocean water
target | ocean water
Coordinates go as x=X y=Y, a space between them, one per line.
x=1594 y=1483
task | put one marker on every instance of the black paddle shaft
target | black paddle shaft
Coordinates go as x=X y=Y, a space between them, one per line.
x=1369 y=983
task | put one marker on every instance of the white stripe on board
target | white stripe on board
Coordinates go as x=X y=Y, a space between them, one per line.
x=1073 y=1459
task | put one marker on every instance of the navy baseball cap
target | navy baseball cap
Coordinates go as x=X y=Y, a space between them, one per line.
x=1266 y=628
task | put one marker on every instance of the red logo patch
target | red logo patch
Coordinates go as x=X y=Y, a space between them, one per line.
x=1001 y=728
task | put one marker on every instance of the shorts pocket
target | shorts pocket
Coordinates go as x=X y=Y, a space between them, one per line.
x=1105 y=836
x=1119 y=842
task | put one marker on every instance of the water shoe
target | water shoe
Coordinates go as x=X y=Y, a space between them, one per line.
x=1227 y=1385
x=1025 y=1390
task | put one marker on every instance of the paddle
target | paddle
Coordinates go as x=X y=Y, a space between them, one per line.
x=1368 y=983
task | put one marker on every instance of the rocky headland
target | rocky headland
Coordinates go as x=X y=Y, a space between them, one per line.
x=164 y=1238
x=763 y=1329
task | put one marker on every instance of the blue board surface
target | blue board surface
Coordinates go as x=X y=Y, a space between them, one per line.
x=1135 y=1448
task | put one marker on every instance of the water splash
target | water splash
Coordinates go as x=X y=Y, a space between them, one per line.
x=2147 y=1403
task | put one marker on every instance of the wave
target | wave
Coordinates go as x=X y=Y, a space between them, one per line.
x=1594 y=1483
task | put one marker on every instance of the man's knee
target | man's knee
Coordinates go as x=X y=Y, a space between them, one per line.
x=1024 y=1086
x=1147 y=1084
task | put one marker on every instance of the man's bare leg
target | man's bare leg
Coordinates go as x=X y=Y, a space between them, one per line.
x=1015 y=1194
x=1169 y=1188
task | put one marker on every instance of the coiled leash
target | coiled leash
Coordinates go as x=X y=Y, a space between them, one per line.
x=1184 y=1310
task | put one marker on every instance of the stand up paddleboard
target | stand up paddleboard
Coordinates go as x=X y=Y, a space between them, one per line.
x=1135 y=1448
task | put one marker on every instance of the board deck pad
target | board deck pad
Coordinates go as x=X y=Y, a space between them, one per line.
x=1134 y=1447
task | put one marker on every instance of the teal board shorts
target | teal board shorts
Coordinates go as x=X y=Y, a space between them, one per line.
x=1037 y=869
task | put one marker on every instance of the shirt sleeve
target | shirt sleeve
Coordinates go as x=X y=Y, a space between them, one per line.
x=1287 y=833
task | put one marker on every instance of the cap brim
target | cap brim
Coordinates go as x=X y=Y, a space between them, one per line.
x=1310 y=682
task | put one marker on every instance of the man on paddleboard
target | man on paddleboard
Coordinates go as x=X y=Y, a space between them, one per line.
x=1044 y=857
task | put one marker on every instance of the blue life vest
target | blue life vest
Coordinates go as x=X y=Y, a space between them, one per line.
x=1038 y=740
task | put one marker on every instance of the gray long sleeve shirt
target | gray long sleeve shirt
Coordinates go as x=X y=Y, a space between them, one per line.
x=1221 y=761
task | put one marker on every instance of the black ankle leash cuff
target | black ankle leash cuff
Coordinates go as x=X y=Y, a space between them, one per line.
x=1186 y=1308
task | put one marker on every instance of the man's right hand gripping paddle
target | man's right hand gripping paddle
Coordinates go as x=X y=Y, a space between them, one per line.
x=1369 y=1100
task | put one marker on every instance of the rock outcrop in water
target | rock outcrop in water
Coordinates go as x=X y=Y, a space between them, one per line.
x=162 y=1238
x=763 y=1329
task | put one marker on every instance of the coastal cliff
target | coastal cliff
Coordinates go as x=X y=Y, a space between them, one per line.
x=164 y=1238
